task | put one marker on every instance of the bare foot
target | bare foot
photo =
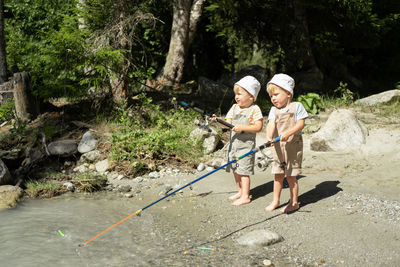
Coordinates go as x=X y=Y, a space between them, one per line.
x=289 y=208
x=272 y=206
x=235 y=196
x=241 y=201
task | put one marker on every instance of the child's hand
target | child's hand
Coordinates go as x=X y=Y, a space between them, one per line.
x=213 y=118
x=270 y=140
x=284 y=137
x=238 y=129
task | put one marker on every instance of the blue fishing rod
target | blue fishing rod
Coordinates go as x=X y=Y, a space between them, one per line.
x=254 y=150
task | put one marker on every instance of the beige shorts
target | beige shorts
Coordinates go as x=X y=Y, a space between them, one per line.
x=290 y=153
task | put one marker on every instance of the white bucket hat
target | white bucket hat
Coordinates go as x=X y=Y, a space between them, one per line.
x=284 y=81
x=251 y=84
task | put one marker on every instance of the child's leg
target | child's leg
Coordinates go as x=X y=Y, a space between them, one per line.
x=245 y=191
x=278 y=184
x=238 y=183
x=294 y=192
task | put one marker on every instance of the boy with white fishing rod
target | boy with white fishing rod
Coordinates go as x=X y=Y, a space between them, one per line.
x=247 y=120
x=285 y=119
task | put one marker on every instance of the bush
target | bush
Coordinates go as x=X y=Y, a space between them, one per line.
x=7 y=110
x=311 y=102
x=148 y=133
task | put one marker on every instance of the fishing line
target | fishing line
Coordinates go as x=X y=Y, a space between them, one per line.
x=184 y=186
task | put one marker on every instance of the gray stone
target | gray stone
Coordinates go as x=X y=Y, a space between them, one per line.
x=87 y=143
x=102 y=166
x=90 y=156
x=201 y=167
x=62 y=148
x=5 y=176
x=260 y=238
x=381 y=98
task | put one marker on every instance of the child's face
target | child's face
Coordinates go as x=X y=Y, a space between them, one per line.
x=243 y=98
x=280 y=98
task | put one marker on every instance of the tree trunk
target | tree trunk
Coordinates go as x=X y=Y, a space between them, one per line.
x=81 y=21
x=3 y=61
x=24 y=103
x=186 y=14
x=119 y=84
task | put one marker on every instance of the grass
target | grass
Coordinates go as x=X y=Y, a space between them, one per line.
x=89 y=182
x=43 y=189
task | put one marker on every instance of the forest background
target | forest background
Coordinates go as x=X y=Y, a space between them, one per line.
x=121 y=49
x=71 y=46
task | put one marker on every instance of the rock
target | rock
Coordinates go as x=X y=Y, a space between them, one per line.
x=102 y=166
x=259 y=238
x=32 y=155
x=124 y=188
x=9 y=196
x=5 y=176
x=87 y=143
x=70 y=186
x=267 y=262
x=80 y=169
x=154 y=175
x=201 y=167
x=90 y=156
x=381 y=98
x=210 y=143
x=342 y=131
x=62 y=148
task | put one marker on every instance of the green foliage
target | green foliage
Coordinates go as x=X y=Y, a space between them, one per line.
x=346 y=96
x=151 y=133
x=312 y=102
x=7 y=110
x=19 y=127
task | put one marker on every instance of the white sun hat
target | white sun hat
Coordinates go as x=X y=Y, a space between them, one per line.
x=284 y=81
x=251 y=84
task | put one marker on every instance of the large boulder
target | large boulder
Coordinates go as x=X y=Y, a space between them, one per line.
x=381 y=98
x=9 y=196
x=5 y=176
x=342 y=131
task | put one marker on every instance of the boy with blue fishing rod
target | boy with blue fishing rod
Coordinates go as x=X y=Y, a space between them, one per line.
x=247 y=120
x=285 y=119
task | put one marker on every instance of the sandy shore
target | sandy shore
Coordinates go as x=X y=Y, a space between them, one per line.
x=349 y=212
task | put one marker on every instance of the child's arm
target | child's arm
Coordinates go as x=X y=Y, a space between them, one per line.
x=255 y=128
x=297 y=128
x=271 y=126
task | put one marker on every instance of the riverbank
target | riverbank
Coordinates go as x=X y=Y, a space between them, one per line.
x=349 y=208
x=349 y=214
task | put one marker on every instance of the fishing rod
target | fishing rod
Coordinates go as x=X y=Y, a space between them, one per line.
x=202 y=112
x=254 y=150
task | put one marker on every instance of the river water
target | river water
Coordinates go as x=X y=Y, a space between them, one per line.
x=183 y=230
x=51 y=232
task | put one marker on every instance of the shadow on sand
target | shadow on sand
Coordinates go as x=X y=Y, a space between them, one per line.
x=321 y=191
x=265 y=189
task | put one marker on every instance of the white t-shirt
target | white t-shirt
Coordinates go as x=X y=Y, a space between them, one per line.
x=299 y=112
